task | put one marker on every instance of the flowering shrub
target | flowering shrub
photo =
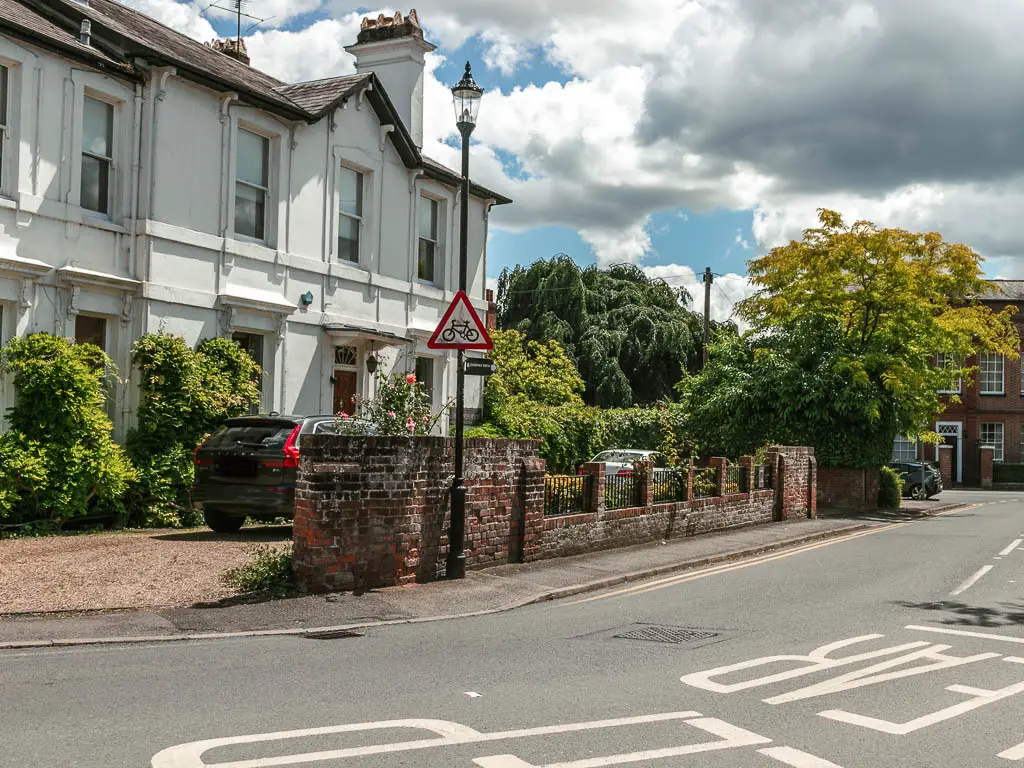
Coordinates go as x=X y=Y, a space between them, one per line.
x=401 y=407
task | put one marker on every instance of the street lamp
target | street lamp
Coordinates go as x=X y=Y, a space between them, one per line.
x=466 y=96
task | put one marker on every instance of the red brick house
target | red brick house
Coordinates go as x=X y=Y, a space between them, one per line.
x=991 y=411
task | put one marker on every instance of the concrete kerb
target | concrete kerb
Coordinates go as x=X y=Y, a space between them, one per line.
x=546 y=596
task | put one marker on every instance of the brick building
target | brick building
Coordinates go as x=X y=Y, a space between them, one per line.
x=990 y=411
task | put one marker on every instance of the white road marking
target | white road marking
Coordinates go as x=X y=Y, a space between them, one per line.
x=731 y=738
x=448 y=733
x=863 y=677
x=473 y=694
x=1013 y=545
x=796 y=758
x=817 y=661
x=973 y=580
x=1014 y=753
x=980 y=697
x=966 y=633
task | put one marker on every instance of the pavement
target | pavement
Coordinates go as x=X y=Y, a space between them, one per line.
x=899 y=644
x=491 y=590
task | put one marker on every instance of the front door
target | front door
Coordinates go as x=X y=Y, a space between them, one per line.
x=344 y=392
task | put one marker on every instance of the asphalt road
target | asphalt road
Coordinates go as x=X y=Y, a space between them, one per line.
x=900 y=647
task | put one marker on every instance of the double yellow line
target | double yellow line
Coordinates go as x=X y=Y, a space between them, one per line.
x=682 y=578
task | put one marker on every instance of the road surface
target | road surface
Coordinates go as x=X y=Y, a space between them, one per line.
x=899 y=646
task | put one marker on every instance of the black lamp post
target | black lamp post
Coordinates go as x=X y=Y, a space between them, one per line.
x=467 y=103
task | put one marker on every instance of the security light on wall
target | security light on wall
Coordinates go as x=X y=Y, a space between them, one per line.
x=306 y=298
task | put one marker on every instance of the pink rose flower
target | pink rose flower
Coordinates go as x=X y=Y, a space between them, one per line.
x=344 y=415
x=425 y=419
x=410 y=378
x=391 y=414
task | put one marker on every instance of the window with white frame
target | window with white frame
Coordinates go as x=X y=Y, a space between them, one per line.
x=950 y=363
x=990 y=374
x=97 y=154
x=992 y=434
x=5 y=127
x=429 y=239
x=350 y=213
x=904 y=449
x=252 y=184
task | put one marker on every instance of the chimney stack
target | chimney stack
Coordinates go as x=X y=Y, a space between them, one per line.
x=231 y=48
x=85 y=35
x=393 y=48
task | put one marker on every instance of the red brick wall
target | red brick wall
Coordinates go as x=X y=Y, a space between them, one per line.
x=374 y=511
x=848 y=488
x=796 y=484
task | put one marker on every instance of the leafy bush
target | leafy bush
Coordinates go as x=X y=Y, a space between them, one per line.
x=401 y=407
x=184 y=395
x=59 y=460
x=890 y=488
x=268 y=570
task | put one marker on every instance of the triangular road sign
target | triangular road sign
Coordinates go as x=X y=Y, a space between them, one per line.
x=460 y=328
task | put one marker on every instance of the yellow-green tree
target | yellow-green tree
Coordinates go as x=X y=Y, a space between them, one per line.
x=844 y=328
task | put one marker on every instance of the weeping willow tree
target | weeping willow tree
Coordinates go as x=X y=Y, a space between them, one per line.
x=631 y=336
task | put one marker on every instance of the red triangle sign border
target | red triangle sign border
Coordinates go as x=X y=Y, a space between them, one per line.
x=482 y=339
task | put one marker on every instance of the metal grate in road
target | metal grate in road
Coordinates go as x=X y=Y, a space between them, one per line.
x=667 y=634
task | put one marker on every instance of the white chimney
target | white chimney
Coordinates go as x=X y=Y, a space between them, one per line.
x=393 y=48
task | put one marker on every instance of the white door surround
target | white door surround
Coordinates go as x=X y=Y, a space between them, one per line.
x=953 y=429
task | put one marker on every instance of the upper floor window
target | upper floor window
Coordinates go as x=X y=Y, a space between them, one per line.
x=350 y=213
x=4 y=124
x=97 y=154
x=252 y=185
x=948 y=362
x=990 y=376
x=429 y=214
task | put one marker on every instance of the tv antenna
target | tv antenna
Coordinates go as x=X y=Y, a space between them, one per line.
x=236 y=7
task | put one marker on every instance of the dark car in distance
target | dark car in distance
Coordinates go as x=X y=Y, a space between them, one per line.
x=921 y=480
x=248 y=467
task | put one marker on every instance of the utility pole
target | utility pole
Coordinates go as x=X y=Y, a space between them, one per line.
x=708 y=279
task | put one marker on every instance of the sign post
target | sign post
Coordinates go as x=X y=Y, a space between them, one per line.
x=460 y=328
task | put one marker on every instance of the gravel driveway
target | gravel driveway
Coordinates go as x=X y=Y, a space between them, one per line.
x=144 y=569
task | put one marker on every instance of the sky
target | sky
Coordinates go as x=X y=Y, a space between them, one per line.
x=684 y=134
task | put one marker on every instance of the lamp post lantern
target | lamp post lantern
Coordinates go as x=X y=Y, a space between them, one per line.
x=466 y=96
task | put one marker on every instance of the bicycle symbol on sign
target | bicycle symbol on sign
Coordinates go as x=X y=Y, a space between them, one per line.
x=463 y=330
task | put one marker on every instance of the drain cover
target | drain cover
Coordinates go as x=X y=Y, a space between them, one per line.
x=667 y=634
x=333 y=634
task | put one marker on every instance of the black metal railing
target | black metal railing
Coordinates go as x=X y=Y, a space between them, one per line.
x=733 y=477
x=668 y=485
x=566 y=494
x=705 y=483
x=621 y=490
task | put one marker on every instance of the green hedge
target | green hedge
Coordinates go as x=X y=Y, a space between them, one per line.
x=890 y=489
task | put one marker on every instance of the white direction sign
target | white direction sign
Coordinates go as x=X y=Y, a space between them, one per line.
x=460 y=327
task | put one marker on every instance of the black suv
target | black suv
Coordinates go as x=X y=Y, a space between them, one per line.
x=921 y=480
x=248 y=467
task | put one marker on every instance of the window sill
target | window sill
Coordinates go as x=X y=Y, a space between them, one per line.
x=97 y=220
x=8 y=202
x=992 y=394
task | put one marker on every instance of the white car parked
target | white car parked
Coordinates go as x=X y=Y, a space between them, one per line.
x=620 y=461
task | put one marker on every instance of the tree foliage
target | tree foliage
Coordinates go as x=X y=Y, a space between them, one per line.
x=184 y=395
x=630 y=336
x=58 y=460
x=845 y=325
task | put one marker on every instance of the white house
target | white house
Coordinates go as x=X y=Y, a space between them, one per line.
x=149 y=182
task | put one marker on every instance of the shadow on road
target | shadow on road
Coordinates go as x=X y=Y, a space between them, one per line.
x=885 y=515
x=964 y=615
x=260 y=533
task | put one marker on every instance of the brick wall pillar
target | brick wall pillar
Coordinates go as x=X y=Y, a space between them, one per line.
x=595 y=504
x=531 y=496
x=795 y=475
x=719 y=465
x=946 y=465
x=689 y=479
x=987 y=455
x=747 y=479
x=646 y=481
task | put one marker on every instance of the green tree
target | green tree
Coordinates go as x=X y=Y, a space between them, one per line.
x=630 y=336
x=184 y=395
x=845 y=325
x=59 y=460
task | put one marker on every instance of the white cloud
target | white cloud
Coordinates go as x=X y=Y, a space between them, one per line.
x=183 y=17
x=726 y=290
x=315 y=52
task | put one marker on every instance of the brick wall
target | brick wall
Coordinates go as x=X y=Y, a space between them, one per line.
x=848 y=488
x=373 y=511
